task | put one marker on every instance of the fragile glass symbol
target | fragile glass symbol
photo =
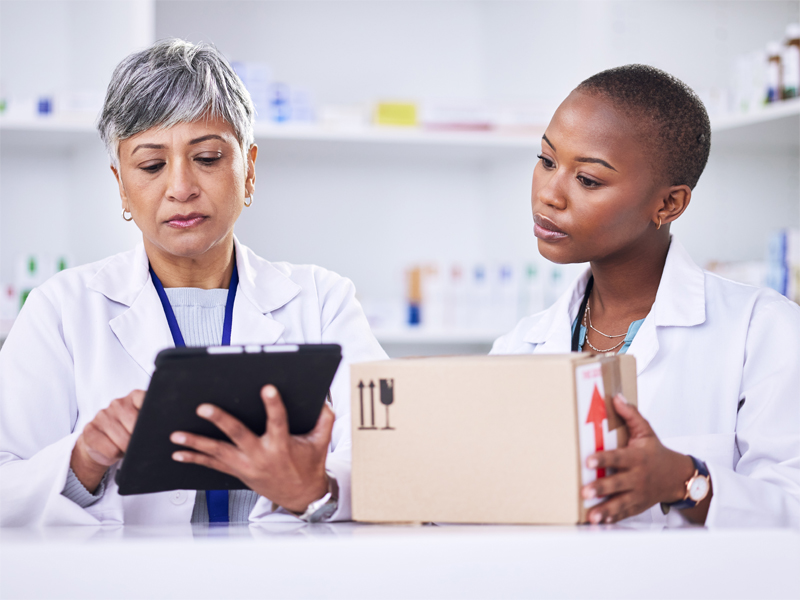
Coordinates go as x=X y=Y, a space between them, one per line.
x=387 y=397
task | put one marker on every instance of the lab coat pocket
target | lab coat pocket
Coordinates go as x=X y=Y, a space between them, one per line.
x=715 y=448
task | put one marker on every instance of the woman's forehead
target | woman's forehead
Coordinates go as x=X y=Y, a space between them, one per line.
x=586 y=122
x=185 y=133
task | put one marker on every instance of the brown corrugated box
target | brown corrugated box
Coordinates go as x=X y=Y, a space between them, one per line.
x=482 y=439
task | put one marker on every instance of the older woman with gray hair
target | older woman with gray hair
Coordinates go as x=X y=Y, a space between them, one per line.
x=178 y=125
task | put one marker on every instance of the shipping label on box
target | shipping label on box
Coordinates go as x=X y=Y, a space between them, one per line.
x=482 y=439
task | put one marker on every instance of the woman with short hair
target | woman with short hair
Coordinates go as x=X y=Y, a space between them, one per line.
x=178 y=125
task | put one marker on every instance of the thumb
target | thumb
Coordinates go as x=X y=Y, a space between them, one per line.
x=638 y=427
x=321 y=434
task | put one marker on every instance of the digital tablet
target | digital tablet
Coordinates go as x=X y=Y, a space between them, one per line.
x=230 y=377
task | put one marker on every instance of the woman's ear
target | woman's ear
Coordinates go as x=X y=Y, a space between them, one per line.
x=122 y=195
x=673 y=203
x=250 y=177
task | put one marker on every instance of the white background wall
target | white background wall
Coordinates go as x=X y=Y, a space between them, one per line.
x=368 y=216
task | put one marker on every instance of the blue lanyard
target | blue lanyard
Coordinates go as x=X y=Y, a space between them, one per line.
x=216 y=500
x=177 y=337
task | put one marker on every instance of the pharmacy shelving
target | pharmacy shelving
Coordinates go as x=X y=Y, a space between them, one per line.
x=298 y=140
x=775 y=125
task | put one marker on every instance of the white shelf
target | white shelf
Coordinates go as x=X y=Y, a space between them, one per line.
x=775 y=126
x=433 y=337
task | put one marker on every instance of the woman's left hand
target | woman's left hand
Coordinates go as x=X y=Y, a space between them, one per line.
x=647 y=472
x=287 y=469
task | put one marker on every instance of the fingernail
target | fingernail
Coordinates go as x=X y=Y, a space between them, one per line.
x=589 y=493
x=270 y=391
x=205 y=410
x=177 y=456
x=591 y=462
x=608 y=519
x=178 y=438
x=622 y=399
x=595 y=518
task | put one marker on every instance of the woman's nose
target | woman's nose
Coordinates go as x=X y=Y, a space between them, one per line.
x=182 y=185
x=550 y=190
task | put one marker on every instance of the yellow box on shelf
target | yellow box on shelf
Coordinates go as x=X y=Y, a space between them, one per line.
x=397 y=114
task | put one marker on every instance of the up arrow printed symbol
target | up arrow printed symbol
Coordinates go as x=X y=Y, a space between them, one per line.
x=597 y=414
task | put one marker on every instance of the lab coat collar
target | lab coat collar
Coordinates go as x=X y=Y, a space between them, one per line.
x=680 y=302
x=143 y=330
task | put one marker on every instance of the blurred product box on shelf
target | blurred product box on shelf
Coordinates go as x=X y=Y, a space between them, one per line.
x=31 y=271
x=257 y=78
x=483 y=439
x=486 y=297
x=396 y=114
x=345 y=116
x=750 y=272
x=783 y=263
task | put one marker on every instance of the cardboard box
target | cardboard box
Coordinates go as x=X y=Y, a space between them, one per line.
x=483 y=439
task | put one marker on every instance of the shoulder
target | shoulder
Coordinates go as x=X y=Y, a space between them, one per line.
x=312 y=280
x=514 y=342
x=726 y=296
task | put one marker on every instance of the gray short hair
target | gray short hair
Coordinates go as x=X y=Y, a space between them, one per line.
x=173 y=82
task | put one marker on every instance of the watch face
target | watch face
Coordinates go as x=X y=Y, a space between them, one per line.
x=698 y=488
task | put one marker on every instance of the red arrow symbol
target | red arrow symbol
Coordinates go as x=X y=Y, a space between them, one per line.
x=597 y=414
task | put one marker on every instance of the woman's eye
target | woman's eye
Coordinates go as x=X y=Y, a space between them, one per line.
x=546 y=162
x=589 y=183
x=208 y=160
x=154 y=168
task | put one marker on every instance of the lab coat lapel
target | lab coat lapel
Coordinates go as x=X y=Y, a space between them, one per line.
x=142 y=330
x=552 y=334
x=680 y=302
x=262 y=290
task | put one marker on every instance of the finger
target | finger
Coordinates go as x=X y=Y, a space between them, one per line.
x=99 y=446
x=614 y=509
x=211 y=462
x=237 y=432
x=107 y=421
x=638 y=426
x=607 y=486
x=277 y=421
x=610 y=459
x=320 y=436
x=127 y=414
x=217 y=449
x=137 y=397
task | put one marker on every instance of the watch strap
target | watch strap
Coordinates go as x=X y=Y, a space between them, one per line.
x=323 y=509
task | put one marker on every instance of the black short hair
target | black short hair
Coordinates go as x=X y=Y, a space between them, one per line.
x=675 y=122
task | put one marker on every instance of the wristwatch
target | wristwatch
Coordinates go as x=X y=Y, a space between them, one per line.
x=323 y=509
x=697 y=488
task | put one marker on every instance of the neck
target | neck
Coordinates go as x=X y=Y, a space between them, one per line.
x=626 y=286
x=211 y=270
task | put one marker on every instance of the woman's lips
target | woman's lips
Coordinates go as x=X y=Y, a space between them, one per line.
x=185 y=221
x=545 y=229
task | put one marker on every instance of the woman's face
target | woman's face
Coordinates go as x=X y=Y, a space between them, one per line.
x=185 y=186
x=593 y=195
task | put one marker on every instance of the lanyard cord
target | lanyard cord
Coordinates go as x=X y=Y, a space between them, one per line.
x=175 y=329
x=576 y=335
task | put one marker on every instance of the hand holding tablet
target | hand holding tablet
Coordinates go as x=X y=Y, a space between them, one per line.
x=236 y=433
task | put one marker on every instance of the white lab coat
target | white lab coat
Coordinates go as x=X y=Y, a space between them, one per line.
x=708 y=345
x=91 y=334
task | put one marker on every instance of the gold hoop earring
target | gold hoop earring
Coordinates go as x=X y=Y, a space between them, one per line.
x=125 y=210
x=659 y=224
x=250 y=198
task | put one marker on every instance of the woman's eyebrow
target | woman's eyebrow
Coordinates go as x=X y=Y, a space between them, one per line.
x=549 y=143
x=211 y=136
x=600 y=161
x=153 y=146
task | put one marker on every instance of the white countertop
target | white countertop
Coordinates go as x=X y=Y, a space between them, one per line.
x=350 y=560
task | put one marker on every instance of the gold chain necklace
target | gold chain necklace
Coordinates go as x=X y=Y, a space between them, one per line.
x=598 y=350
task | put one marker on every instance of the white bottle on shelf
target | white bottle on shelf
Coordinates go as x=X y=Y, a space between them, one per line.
x=790 y=60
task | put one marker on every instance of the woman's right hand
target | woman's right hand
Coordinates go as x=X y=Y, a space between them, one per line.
x=105 y=439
